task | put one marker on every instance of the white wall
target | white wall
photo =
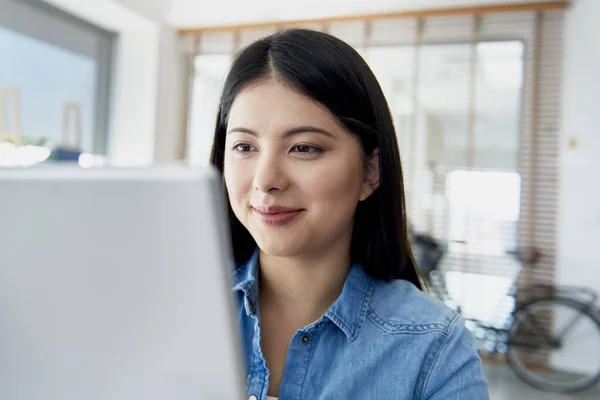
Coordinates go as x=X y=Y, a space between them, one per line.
x=146 y=102
x=133 y=100
x=579 y=224
x=204 y=109
x=579 y=203
x=171 y=91
x=209 y=76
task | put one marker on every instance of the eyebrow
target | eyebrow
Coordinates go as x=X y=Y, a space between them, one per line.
x=289 y=132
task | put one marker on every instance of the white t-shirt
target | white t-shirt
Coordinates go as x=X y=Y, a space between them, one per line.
x=271 y=398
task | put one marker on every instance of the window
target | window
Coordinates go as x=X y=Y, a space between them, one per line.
x=54 y=78
x=459 y=138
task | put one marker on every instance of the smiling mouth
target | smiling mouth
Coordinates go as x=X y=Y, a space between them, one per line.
x=277 y=216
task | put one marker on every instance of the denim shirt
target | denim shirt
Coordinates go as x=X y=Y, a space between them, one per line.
x=379 y=340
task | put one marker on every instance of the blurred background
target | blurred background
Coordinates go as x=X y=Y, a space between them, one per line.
x=497 y=111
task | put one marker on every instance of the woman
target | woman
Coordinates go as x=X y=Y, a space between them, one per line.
x=330 y=300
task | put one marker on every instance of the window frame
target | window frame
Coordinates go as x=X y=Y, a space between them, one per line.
x=47 y=23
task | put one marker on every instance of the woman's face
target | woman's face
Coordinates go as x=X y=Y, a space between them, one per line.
x=293 y=174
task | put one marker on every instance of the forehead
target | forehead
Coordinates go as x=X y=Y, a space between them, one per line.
x=270 y=104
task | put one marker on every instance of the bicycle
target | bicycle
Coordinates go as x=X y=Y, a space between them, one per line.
x=536 y=337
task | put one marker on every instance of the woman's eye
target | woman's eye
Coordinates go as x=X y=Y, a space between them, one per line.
x=307 y=149
x=243 y=147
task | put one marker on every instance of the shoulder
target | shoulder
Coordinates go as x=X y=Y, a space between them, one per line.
x=423 y=328
x=399 y=307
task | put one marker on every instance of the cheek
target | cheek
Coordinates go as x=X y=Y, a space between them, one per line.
x=237 y=181
x=336 y=186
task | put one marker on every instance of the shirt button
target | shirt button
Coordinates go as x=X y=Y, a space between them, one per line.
x=253 y=397
x=305 y=339
x=319 y=325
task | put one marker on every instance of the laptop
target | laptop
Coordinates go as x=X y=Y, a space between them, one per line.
x=115 y=284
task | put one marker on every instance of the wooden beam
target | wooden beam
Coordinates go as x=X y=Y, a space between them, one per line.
x=490 y=9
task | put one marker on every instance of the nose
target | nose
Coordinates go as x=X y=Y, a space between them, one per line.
x=270 y=175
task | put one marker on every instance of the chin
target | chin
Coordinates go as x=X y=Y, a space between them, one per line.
x=277 y=247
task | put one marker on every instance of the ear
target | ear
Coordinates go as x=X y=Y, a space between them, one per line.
x=371 y=180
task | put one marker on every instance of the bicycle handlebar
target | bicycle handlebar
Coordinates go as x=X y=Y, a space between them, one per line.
x=528 y=256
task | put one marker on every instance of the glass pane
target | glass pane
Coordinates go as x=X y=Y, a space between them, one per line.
x=48 y=79
x=393 y=67
x=498 y=105
x=484 y=211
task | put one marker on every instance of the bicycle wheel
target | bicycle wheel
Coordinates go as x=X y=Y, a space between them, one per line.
x=554 y=344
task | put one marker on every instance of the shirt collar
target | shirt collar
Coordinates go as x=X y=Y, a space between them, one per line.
x=245 y=279
x=348 y=312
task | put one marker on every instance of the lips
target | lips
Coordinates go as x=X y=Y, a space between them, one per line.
x=277 y=215
x=274 y=210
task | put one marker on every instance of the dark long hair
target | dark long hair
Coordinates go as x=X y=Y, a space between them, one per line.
x=332 y=73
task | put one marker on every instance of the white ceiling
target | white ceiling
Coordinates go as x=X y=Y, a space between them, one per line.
x=198 y=13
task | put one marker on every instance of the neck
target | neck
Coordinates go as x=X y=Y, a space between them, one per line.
x=305 y=286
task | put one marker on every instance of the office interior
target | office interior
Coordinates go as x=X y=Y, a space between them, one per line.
x=495 y=102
